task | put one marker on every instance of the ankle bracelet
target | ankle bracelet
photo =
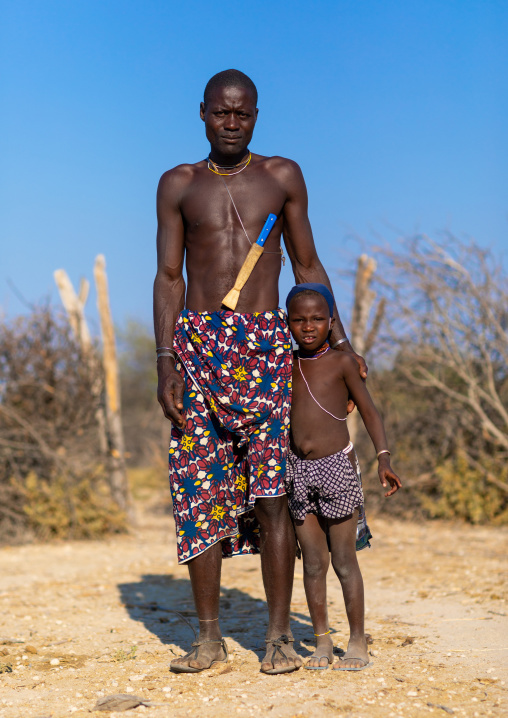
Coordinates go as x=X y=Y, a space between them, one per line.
x=318 y=635
x=207 y=620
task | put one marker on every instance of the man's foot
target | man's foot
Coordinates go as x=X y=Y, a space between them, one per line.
x=356 y=658
x=280 y=656
x=322 y=656
x=202 y=656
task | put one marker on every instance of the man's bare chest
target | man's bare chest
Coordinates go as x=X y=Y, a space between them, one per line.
x=213 y=203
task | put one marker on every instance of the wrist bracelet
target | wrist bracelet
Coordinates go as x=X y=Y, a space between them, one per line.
x=166 y=354
x=340 y=341
x=384 y=451
x=168 y=349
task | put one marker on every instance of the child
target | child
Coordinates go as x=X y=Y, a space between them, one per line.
x=323 y=481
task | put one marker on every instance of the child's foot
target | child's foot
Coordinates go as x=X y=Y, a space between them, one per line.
x=356 y=658
x=323 y=655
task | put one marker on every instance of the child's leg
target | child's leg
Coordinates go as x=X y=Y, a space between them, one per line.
x=316 y=559
x=345 y=565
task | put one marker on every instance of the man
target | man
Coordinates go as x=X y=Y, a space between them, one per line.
x=224 y=377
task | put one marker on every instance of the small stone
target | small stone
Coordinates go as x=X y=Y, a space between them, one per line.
x=54 y=662
x=166 y=689
x=31 y=649
x=138 y=677
x=412 y=694
x=129 y=689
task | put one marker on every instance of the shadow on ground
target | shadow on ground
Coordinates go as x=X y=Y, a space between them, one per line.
x=243 y=617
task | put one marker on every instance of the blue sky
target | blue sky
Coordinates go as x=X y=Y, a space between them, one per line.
x=396 y=112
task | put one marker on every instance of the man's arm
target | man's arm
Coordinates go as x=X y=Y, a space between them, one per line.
x=301 y=248
x=169 y=292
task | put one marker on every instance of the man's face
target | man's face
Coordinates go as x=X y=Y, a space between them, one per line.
x=229 y=117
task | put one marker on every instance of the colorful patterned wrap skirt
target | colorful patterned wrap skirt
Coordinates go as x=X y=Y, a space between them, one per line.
x=237 y=373
x=330 y=487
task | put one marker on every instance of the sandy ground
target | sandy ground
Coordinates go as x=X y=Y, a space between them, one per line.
x=82 y=621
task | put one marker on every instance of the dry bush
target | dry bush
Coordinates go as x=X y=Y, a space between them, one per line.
x=51 y=478
x=446 y=397
x=146 y=430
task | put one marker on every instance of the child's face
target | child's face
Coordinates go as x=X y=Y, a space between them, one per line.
x=309 y=321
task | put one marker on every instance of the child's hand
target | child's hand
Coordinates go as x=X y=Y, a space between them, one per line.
x=388 y=476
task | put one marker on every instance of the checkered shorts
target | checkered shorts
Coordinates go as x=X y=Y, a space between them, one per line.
x=330 y=487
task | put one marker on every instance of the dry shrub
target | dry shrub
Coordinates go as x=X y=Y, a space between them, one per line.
x=51 y=480
x=146 y=430
x=445 y=395
x=464 y=493
x=62 y=507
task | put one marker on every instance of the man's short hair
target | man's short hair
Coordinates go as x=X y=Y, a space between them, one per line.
x=229 y=78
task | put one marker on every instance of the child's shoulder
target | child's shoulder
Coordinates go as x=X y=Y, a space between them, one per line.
x=344 y=360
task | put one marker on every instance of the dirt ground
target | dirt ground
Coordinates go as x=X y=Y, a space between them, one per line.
x=84 y=621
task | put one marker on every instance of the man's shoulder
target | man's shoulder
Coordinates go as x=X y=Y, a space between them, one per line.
x=279 y=164
x=177 y=179
x=285 y=172
x=181 y=173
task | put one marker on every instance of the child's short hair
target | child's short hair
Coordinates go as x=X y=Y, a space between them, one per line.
x=311 y=288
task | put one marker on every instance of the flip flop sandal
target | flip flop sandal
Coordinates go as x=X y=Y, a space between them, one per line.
x=351 y=658
x=193 y=654
x=278 y=645
x=318 y=668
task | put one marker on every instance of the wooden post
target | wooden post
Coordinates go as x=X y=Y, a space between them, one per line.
x=361 y=339
x=119 y=484
x=74 y=305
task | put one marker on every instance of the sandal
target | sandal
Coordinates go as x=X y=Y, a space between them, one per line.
x=338 y=667
x=193 y=654
x=278 y=644
x=318 y=668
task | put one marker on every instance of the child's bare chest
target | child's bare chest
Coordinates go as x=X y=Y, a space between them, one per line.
x=318 y=409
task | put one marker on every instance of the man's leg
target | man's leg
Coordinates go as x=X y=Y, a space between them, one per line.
x=277 y=566
x=205 y=572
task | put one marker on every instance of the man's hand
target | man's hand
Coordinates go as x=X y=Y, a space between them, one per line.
x=388 y=476
x=170 y=391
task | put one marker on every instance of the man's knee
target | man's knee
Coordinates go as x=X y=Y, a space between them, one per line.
x=272 y=509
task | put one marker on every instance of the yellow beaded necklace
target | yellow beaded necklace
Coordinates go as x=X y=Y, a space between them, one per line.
x=215 y=168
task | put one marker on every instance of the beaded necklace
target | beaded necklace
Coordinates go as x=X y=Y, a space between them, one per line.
x=214 y=167
x=319 y=352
